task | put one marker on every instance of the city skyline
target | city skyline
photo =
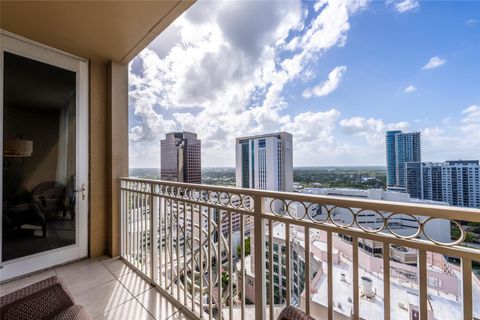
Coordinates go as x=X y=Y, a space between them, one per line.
x=273 y=133
x=336 y=75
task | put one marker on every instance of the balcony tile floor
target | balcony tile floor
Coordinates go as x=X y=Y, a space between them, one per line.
x=108 y=289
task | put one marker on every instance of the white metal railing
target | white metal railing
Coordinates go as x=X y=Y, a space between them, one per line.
x=181 y=238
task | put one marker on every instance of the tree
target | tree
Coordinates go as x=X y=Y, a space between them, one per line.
x=470 y=237
x=246 y=246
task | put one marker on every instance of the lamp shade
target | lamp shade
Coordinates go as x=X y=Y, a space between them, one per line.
x=17 y=148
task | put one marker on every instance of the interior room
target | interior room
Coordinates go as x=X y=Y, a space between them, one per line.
x=39 y=157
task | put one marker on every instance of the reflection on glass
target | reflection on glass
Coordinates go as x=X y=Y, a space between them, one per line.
x=38 y=209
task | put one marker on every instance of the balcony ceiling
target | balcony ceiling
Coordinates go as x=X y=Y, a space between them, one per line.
x=100 y=30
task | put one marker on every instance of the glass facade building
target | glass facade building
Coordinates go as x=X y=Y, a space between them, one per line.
x=401 y=148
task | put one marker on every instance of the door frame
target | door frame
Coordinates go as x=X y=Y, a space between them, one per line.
x=30 y=49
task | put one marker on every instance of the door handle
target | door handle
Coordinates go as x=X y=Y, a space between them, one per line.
x=83 y=190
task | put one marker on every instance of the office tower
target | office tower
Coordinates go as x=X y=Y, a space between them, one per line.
x=180 y=154
x=413 y=176
x=265 y=162
x=391 y=156
x=400 y=149
x=455 y=182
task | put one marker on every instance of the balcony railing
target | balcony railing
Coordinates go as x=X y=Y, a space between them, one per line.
x=333 y=257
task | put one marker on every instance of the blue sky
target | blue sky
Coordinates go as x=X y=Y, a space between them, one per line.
x=336 y=74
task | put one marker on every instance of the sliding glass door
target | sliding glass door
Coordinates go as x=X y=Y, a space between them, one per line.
x=44 y=157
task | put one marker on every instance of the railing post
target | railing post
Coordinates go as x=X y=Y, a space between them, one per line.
x=386 y=280
x=259 y=243
x=423 y=283
x=153 y=234
x=122 y=219
x=467 y=288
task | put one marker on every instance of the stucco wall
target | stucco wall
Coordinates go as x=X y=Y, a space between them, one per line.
x=98 y=145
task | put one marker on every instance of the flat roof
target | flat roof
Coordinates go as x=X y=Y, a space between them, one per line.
x=266 y=135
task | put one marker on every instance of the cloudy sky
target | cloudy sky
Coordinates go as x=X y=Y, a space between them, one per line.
x=335 y=74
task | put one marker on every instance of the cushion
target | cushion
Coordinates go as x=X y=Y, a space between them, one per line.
x=75 y=312
x=292 y=313
x=41 y=300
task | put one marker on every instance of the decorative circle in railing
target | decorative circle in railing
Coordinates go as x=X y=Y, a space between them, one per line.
x=205 y=196
x=341 y=217
x=224 y=199
x=278 y=207
x=180 y=192
x=167 y=190
x=213 y=197
x=317 y=213
x=174 y=191
x=187 y=194
x=235 y=200
x=195 y=195
x=407 y=223
x=430 y=231
x=296 y=210
x=370 y=220
x=247 y=202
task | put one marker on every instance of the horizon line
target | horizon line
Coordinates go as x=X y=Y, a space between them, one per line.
x=313 y=166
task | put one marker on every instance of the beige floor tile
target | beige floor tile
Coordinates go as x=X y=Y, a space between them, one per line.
x=87 y=280
x=156 y=304
x=77 y=267
x=104 y=258
x=116 y=266
x=14 y=285
x=134 y=283
x=179 y=316
x=103 y=298
x=131 y=309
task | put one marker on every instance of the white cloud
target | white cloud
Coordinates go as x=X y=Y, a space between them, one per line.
x=472 y=114
x=462 y=138
x=410 y=88
x=328 y=86
x=471 y=22
x=222 y=73
x=313 y=126
x=434 y=62
x=456 y=138
x=471 y=122
x=404 y=5
x=373 y=130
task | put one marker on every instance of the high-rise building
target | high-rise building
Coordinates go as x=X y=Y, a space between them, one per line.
x=455 y=182
x=180 y=154
x=414 y=182
x=265 y=162
x=401 y=148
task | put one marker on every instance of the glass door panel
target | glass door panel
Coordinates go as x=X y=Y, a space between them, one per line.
x=39 y=117
x=44 y=154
